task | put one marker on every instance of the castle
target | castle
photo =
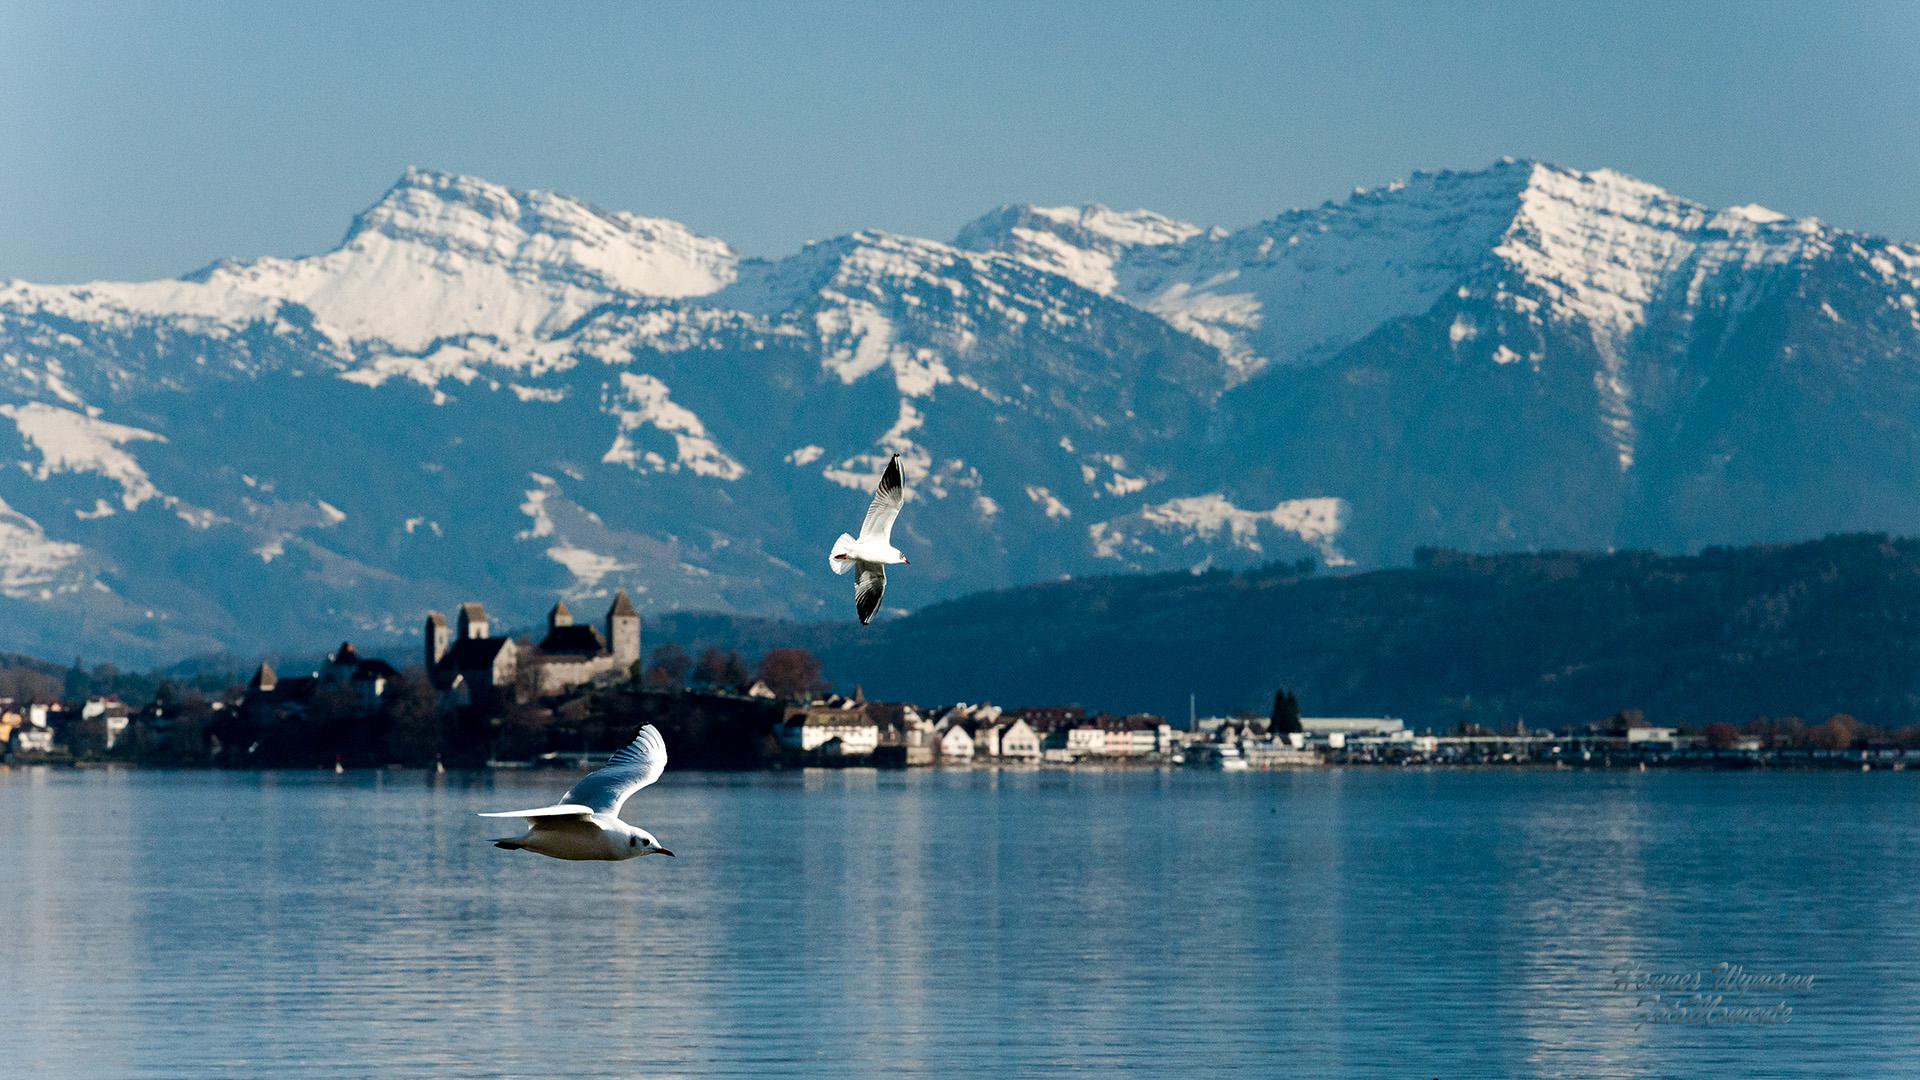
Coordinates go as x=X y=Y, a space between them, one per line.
x=477 y=669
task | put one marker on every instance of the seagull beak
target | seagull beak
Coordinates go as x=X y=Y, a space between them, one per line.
x=663 y=851
x=906 y=560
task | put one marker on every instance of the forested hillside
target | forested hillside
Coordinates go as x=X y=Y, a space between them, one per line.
x=1548 y=639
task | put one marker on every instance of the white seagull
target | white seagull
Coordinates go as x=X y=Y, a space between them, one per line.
x=871 y=553
x=585 y=823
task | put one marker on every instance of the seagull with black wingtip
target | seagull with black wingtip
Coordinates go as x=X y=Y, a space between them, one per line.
x=585 y=823
x=873 y=549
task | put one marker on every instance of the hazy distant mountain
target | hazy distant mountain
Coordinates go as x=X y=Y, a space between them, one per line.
x=510 y=396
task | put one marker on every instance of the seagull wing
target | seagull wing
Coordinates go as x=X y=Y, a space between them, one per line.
x=558 y=810
x=868 y=588
x=886 y=504
x=633 y=768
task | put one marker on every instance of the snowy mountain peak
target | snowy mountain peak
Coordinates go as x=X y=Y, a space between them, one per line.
x=554 y=237
x=1078 y=243
x=1602 y=246
x=438 y=257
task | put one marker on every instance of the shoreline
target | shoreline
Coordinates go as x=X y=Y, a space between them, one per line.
x=1794 y=765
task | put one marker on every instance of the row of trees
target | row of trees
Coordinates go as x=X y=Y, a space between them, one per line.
x=789 y=673
x=1837 y=732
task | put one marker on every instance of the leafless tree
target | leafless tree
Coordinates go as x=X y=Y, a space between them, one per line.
x=791 y=673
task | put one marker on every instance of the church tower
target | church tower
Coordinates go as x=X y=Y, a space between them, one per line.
x=473 y=622
x=438 y=641
x=623 y=630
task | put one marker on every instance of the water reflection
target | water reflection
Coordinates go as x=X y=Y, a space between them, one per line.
x=1327 y=923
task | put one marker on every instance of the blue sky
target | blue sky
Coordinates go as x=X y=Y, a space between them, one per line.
x=146 y=140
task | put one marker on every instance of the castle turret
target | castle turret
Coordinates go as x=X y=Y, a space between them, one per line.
x=342 y=664
x=559 y=617
x=438 y=641
x=264 y=679
x=473 y=622
x=623 y=630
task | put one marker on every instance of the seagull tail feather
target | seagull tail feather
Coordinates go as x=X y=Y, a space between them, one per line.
x=511 y=843
x=841 y=547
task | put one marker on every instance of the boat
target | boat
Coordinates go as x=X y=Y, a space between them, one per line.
x=1222 y=756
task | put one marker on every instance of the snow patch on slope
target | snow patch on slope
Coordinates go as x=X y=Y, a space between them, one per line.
x=862 y=472
x=276 y=523
x=643 y=401
x=587 y=567
x=72 y=442
x=32 y=566
x=1080 y=243
x=1206 y=518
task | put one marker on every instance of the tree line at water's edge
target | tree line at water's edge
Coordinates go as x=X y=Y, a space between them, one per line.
x=1729 y=642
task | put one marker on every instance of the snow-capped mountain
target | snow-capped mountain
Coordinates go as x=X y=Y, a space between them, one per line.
x=512 y=396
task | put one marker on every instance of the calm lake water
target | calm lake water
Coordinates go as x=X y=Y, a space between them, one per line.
x=1334 y=923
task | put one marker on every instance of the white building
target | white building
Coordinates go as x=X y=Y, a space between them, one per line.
x=1352 y=726
x=1136 y=736
x=1086 y=739
x=1020 y=742
x=28 y=738
x=986 y=739
x=112 y=715
x=813 y=729
x=957 y=744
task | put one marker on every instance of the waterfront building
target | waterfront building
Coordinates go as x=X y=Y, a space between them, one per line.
x=271 y=698
x=1277 y=752
x=1045 y=718
x=1135 y=735
x=986 y=739
x=811 y=729
x=1019 y=742
x=30 y=738
x=956 y=745
x=1351 y=726
x=106 y=718
x=1079 y=740
x=902 y=725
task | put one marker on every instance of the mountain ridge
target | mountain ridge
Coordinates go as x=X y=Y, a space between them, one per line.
x=518 y=396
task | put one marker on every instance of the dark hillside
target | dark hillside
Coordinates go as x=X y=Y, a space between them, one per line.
x=1549 y=639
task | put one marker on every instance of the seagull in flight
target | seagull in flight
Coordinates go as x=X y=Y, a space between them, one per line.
x=871 y=553
x=585 y=823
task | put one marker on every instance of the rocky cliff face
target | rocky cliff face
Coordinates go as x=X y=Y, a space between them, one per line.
x=511 y=395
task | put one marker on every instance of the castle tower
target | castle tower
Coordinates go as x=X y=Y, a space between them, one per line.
x=623 y=629
x=264 y=679
x=437 y=640
x=342 y=664
x=473 y=622
x=559 y=617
